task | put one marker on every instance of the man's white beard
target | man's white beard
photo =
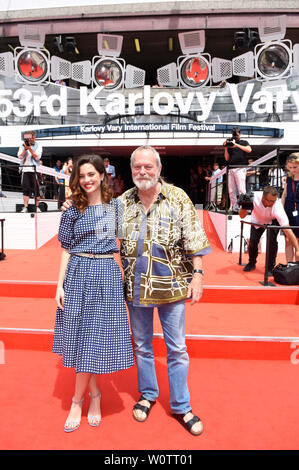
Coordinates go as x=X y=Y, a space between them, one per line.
x=144 y=185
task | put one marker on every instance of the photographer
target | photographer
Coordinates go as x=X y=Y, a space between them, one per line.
x=30 y=154
x=267 y=209
x=235 y=151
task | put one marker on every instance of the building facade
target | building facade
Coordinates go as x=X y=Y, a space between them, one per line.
x=177 y=75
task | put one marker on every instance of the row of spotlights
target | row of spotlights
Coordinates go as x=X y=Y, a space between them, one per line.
x=272 y=60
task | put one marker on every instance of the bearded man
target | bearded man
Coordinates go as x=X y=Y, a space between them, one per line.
x=161 y=250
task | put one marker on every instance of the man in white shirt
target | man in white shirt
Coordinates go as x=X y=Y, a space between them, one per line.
x=30 y=153
x=267 y=210
x=216 y=187
x=110 y=170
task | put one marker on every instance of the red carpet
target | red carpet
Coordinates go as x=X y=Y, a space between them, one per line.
x=203 y=319
x=242 y=381
x=243 y=405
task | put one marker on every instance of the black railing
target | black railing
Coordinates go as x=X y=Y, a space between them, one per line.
x=2 y=255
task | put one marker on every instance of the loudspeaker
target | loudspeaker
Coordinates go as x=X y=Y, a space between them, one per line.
x=43 y=206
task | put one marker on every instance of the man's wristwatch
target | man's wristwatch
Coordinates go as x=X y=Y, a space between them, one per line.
x=198 y=271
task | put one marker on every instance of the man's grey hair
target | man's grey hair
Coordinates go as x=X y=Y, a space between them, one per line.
x=146 y=147
x=270 y=190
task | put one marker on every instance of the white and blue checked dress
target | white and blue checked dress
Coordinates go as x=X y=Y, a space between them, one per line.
x=92 y=332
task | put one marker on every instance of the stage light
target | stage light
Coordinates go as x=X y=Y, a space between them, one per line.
x=194 y=69
x=108 y=69
x=245 y=39
x=240 y=40
x=31 y=63
x=108 y=73
x=71 y=45
x=273 y=61
x=253 y=39
x=274 y=58
x=57 y=45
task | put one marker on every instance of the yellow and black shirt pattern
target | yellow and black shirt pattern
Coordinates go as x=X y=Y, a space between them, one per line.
x=157 y=247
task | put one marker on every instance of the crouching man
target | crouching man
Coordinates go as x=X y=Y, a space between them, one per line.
x=267 y=209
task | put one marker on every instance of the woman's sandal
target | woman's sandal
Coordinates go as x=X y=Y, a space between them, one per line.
x=72 y=424
x=189 y=424
x=94 y=420
x=145 y=409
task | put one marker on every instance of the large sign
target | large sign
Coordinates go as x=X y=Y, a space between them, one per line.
x=206 y=128
x=24 y=103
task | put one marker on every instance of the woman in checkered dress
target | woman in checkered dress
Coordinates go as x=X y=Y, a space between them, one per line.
x=91 y=330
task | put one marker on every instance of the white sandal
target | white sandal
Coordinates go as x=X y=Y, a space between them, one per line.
x=94 y=420
x=73 y=424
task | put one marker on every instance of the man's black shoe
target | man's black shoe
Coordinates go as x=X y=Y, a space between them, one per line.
x=249 y=267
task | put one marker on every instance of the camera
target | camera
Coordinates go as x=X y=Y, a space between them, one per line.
x=27 y=138
x=229 y=142
x=245 y=201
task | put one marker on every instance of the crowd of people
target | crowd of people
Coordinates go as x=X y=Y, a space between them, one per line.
x=61 y=189
x=242 y=177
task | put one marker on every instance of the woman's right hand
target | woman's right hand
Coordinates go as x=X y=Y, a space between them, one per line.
x=60 y=297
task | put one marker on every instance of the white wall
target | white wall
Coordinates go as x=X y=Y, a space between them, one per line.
x=47 y=227
x=229 y=229
x=29 y=231
x=219 y=222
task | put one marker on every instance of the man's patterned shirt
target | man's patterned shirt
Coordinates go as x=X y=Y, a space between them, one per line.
x=157 y=247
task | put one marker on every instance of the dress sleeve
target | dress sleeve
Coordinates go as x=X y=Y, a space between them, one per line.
x=66 y=228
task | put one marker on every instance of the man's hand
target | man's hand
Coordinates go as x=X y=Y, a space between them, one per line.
x=195 y=288
x=243 y=213
x=66 y=205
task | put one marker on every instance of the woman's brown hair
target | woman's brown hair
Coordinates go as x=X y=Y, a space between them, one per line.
x=78 y=194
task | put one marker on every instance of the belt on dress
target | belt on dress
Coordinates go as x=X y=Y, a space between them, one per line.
x=91 y=255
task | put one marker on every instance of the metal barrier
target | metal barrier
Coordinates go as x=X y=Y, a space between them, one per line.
x=275 y=179
x=2 y=254
x=51 y=185
x=267 y=228
x=215 y=187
